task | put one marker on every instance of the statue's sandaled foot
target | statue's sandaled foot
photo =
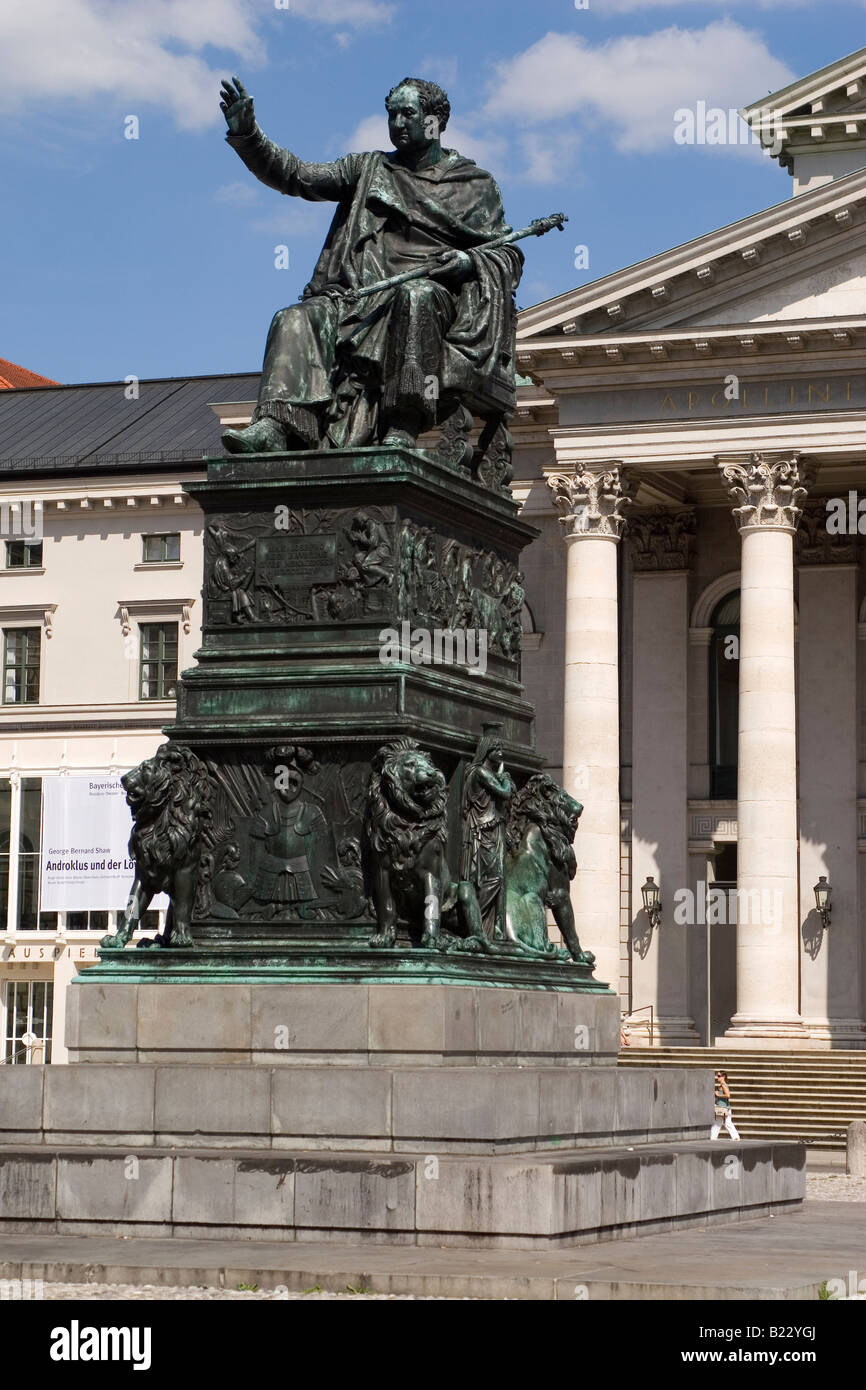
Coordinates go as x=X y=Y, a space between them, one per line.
x=584 y=958
x=265 y=436
x=383 y=940
x=404 y=426
x=400 y=439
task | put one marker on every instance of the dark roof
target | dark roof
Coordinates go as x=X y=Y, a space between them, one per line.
x=88 y=428
x=15 y=378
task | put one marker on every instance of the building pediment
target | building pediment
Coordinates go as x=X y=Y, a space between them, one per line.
x=803 y=258
x=822 y=113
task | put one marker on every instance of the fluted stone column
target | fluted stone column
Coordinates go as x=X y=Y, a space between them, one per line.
x=592 y=500
x=661 y=557
x=767 y=493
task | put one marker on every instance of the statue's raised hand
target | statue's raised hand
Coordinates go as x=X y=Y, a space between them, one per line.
x=237 y=107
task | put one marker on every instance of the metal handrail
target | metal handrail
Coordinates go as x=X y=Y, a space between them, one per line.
x=22 y=1052
x=651 y=1008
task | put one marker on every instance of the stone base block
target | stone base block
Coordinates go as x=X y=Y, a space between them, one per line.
x=486 y=1110
x=534 y=1202
x=275 y=1024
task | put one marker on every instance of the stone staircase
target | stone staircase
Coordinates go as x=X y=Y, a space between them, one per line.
x=791 y=1095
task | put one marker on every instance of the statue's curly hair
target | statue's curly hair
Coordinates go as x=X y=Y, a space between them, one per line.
x=541 y=802
x=433 y=100
x=397 y=825
x=171 y=814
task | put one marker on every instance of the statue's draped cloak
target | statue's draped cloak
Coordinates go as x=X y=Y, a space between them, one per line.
x=452 y=204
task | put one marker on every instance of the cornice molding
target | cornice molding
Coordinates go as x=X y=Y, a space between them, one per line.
x=813 y=111
x=832 y=339
x=711 y=268
x=145 y=608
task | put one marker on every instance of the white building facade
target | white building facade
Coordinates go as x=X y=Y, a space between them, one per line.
x=100 y=602
x=707 y=412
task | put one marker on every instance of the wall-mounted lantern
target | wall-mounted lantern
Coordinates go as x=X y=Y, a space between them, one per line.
x=652 y=901
x=823 y=892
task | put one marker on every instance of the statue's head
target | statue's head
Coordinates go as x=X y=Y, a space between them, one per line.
x=489 y=748
x=290 y=764
x=418 y=113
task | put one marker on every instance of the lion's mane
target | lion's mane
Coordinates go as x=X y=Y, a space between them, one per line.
x=398 y=826
x=542 y=803
x=169 y=795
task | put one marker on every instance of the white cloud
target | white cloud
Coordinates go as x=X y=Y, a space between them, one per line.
x=294 y=218
x=371 y=133
x=601 y=8
x=358 y=13
x=633 y=84
x=146 y=54
x=548 y=155
x=441 y=68
x=238 y=193
x=90 y=49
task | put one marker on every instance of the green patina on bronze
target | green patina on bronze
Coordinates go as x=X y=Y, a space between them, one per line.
x=351 y=790
x=344 y=962
x=408 y=319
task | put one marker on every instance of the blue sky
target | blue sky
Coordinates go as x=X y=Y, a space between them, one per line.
x=156 y=256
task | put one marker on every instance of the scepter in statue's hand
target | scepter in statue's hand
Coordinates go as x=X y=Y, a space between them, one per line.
x=451 y=260
x=237 y=107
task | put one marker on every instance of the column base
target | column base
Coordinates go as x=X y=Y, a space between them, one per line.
x=667 y=1031
x=750 y=1030
x=835 y=1032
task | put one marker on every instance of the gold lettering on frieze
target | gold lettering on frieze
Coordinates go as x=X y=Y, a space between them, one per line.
x=756 y=395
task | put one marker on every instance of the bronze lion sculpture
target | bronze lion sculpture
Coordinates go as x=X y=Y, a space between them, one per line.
x=542 y=824
x=169 y=796
x=405 y=835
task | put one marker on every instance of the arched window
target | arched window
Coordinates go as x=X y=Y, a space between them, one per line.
x=724 y=703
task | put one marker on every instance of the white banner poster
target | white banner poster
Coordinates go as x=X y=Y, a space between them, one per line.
x=86 y=825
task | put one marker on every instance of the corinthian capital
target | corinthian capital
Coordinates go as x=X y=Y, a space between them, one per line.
x=767 y=491
x=592 y=499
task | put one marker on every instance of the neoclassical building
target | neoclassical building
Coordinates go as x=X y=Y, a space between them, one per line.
x=693 y=424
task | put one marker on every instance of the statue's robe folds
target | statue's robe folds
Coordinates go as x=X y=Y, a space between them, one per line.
x=399 y=347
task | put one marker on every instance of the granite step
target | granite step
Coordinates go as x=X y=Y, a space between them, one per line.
x=530 y=1201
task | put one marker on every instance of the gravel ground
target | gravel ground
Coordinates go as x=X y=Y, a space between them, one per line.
x=135 y=1292
x=835 y=1187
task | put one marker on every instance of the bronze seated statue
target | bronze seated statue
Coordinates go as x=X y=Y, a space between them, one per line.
x=408 y=321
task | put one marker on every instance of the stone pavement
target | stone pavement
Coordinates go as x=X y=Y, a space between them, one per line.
x=835 y=1187
x=783 y=1257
